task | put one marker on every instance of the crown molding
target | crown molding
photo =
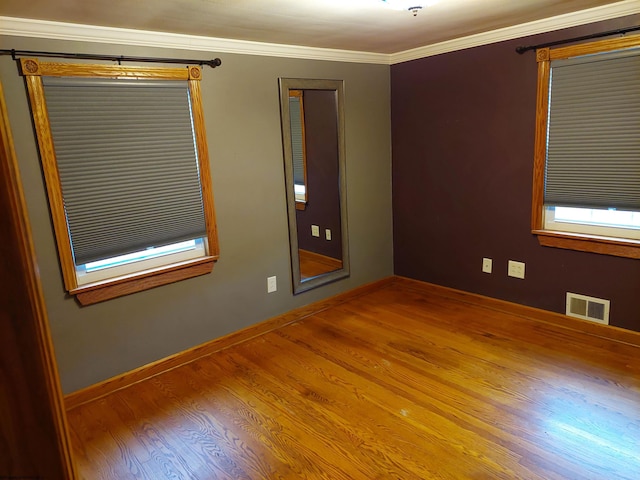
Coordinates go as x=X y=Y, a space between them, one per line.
x=605 y=12
x=23 y=27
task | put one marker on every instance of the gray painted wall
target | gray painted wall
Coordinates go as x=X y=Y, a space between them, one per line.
x=243 y=127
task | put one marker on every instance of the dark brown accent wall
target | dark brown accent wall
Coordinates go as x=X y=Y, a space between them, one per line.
x=323 y=206
x=462 y=139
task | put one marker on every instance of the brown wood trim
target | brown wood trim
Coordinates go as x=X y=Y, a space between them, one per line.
x=203 y=163
x=589 y=243
x=608 y=332
x=52 y=177
x=600 y=46
x=113 y=288
x=33 y=70
x=150 y=370
x=142 y=274
x=304 y=148
x=33 y=423
x=300 y=94
x=540 y=145
x=55 y=69
x=565 y=240
x=119 y=382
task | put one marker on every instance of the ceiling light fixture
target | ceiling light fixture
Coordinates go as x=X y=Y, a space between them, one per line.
x=413 y=6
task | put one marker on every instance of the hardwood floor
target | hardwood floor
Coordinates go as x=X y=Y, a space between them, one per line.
x=400 y=383
x=313 y=264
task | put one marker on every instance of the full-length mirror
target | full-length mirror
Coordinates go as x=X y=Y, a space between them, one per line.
x=312 y=116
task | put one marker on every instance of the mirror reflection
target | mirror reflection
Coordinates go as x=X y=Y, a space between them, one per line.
x=298 y=147
x=313 y=145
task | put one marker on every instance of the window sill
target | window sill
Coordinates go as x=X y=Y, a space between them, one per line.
x=589 y=243
x=137 y=282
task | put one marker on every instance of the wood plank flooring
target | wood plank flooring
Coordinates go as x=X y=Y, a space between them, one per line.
x=395 y=384
x=313 y=264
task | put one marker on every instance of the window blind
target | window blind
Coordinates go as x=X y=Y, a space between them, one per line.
x=593 y=149
x=297 y=139
x=127 y=162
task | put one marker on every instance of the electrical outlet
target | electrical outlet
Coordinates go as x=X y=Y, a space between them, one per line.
x=272 y=284
x=487 y=265
x=315 y=230
x=327 y=234
x=516 y=269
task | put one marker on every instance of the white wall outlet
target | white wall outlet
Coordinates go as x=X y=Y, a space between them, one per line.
x=315 y=230
x=327 y=234
x=516 y=269
x=272 y=284
x=487 y=265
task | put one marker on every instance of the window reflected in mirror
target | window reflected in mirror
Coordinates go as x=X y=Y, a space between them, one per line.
x=313 y=145
x=298 y=147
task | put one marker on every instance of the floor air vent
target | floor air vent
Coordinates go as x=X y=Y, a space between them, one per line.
x=588 y=308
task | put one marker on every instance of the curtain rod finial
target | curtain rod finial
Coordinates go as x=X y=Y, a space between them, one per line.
x=216 y=62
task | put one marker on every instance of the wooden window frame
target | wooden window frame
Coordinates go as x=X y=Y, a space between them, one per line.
x=33 y=71
x=572 y=241
x=302 y=205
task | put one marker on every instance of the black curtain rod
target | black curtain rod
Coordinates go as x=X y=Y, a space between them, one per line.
x=620 y=31
x=216 y=62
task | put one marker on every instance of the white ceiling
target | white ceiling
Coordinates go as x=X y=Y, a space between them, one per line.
x=355 y=25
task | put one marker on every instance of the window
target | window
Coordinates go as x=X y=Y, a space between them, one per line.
x=593 y=221
x=125 y=161
x=298 y=147
x=586 y=190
